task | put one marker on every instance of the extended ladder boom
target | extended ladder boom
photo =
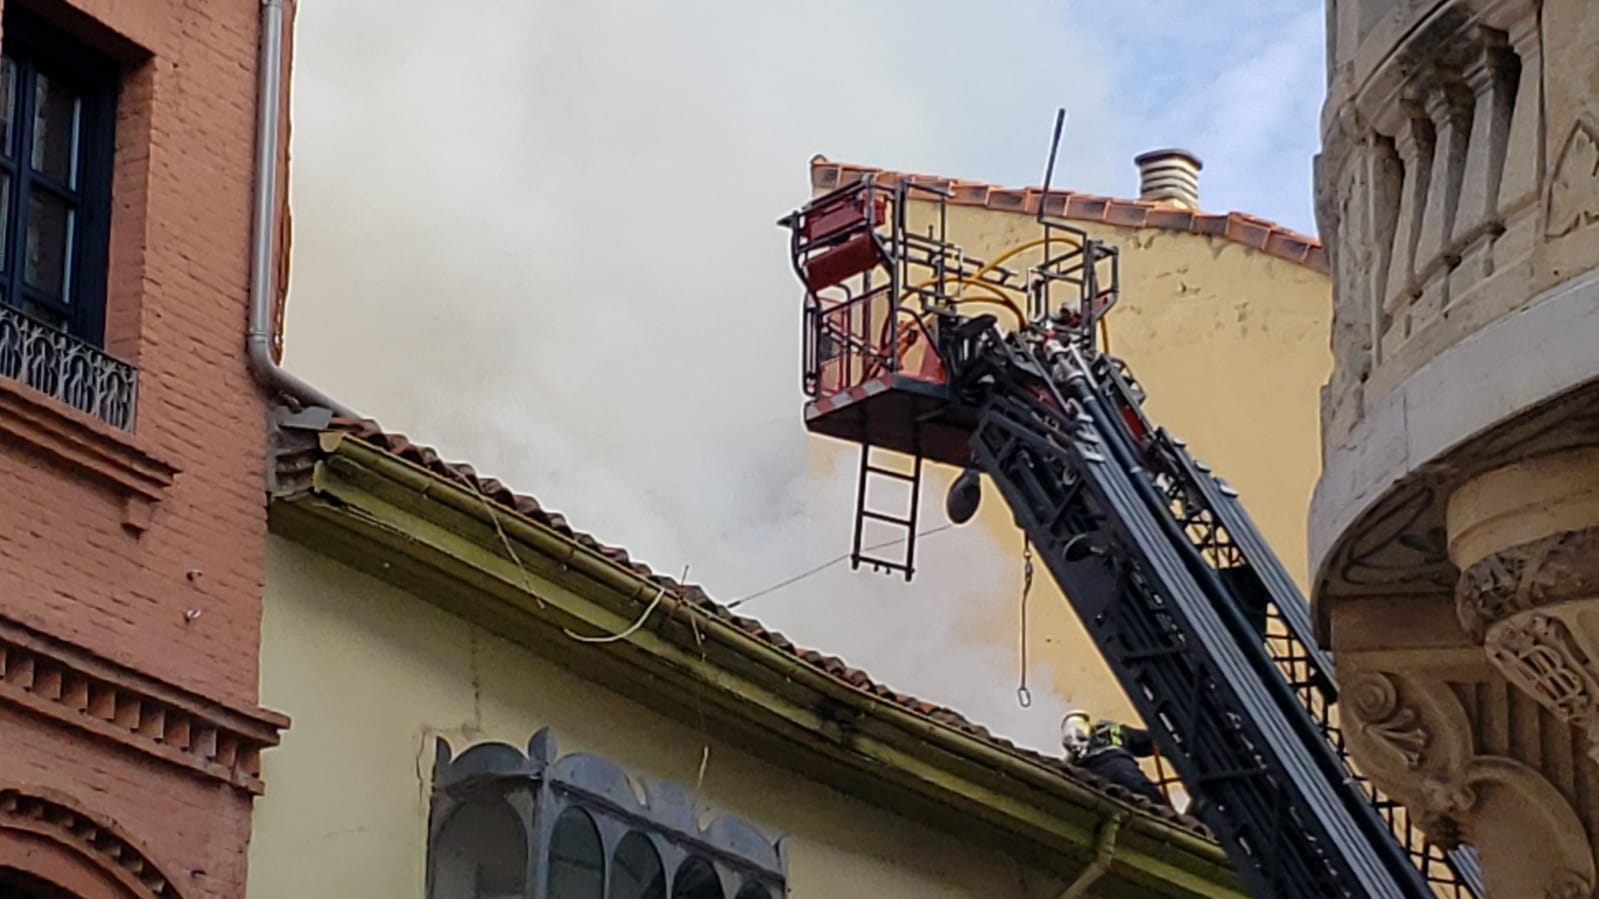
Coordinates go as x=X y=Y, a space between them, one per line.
x=1205 y=631
x=1059 y=442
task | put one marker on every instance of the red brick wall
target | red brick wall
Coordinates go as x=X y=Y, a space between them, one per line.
x=177 y=304
x=178 y=297
x=195 y=831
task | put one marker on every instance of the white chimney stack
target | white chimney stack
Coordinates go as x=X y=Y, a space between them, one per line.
x=1169 y=176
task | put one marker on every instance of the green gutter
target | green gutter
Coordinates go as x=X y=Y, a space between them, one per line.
x=343 y=450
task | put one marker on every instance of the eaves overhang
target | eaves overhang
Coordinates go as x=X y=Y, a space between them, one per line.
x=447 y=543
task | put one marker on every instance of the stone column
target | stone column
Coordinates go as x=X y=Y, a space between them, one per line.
x=1523 y=162
x=1415 y=145
x=1449 y=109
x=1526 y=538
x=1477 y=220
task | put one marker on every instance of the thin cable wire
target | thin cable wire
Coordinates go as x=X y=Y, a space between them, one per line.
x=505 y=539
x=818 y=569
x=1024 y=696
x=612 y=638
x=699 y=704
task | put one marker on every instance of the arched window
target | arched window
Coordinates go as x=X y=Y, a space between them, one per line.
x=696 y=879
x=480 y=853
x=636 y=871
x=577 y=861
x=600 y=833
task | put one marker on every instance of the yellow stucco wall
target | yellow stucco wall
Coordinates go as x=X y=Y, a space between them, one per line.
x=1231 y=346
x=371 y=675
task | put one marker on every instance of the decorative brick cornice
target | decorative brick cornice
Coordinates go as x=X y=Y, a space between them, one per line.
x=75 y=688
x=97 y=839
x=110 y=456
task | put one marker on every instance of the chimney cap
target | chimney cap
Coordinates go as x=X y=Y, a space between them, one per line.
x=1167 y=153
x=1169 y=176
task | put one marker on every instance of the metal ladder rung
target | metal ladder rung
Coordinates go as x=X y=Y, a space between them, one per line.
x=1145 y=655
x=1235 y=774
x=889 y=472
x=882 y=563
x=891 y=519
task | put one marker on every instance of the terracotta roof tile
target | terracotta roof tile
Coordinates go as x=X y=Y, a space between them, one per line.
x=528 y=506
x=1251 y=231
x=1128 y=215
x=1170 y=218
x=1204 y=223
x=1007 y=198
x=1248 y=230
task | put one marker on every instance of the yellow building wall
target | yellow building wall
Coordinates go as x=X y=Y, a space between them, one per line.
x=1231 y=346
x=371 y=675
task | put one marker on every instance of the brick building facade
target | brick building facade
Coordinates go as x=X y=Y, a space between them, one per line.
x=132 y=513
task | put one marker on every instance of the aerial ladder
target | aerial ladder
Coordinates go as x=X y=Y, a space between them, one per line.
x=913 y=348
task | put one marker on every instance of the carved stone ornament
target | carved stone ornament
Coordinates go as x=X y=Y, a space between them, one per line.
x=1573 y=199
x=1523 y=826
x=1394 y=729
x=1449 y=795
x=1539 y=654
x=1560 y=567
x=1442 y=830
x=1564 y=884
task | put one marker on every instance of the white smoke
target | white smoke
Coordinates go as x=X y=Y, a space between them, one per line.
x=540 y=236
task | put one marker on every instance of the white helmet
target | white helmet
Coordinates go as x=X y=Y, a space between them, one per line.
x=1075 y=730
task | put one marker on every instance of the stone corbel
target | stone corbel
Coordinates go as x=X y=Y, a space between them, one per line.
x=1542 y=654
x=1535 y=606
x=1414 y=740
x=1410 y=740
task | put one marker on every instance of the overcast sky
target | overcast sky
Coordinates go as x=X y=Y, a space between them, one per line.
x=540 y=236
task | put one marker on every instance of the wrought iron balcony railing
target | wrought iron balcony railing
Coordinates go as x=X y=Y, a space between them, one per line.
x=68 y=369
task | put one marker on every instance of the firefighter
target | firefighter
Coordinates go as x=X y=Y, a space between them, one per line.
x=1110 y=750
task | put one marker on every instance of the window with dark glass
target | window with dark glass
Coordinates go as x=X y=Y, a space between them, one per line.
x=636 y=870
x=56 y=117
x=696 y=879
x=577 y=859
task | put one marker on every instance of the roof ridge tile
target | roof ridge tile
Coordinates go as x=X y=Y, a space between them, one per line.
x=1253 y=231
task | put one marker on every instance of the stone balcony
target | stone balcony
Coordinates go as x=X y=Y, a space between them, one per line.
x=1454 y=534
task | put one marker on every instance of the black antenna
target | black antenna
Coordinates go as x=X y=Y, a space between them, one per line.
x=1039 y=293
x=1049 y=169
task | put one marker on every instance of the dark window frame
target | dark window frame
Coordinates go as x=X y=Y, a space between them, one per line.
x=36 y=48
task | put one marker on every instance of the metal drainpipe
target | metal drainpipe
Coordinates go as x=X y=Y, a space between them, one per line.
x=1104 y=851
x=269 y=108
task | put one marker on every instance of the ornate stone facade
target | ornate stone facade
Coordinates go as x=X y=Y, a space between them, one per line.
x=1455 y=528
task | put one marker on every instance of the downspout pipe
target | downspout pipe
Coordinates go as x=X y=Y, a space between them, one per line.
x=1104 y=852
x=269 y=111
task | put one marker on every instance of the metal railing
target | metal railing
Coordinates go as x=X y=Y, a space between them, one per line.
x=66 y=368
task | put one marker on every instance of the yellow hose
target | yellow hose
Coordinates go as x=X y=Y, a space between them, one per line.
x=1008 y=254
x=995 y=297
